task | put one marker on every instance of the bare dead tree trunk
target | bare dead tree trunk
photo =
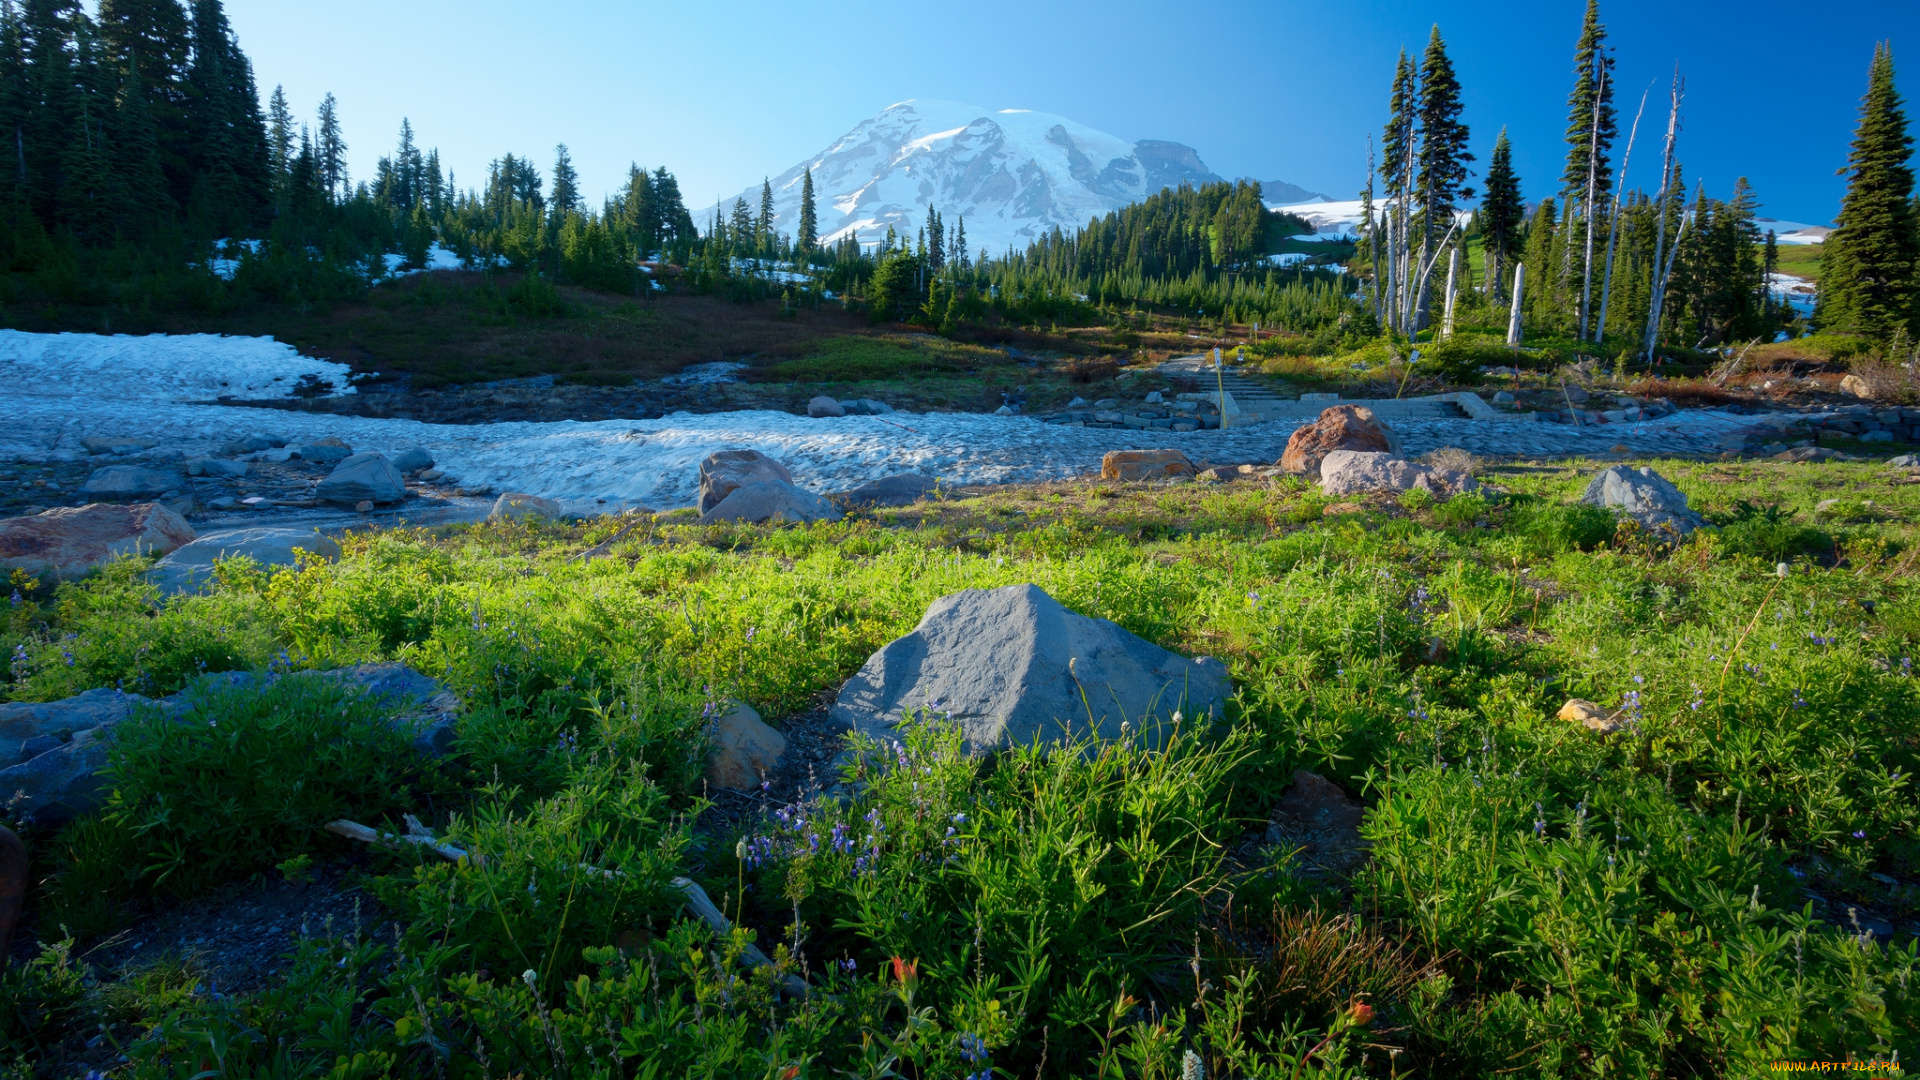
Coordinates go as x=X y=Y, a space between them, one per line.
x=1453 y=290
x=1613 y=227
x=1513 y=318
x=1659 y=285
x=1593 y=181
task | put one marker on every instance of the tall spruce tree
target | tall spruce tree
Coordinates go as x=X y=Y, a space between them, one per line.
x=807 y=235
x=1397 y=142
x=1591 y=123
x=280 y=136
x=1443 y=154
x=566 y=184
x=1868 y=283
x=330 y=150
x=1502 y=214
x=763 y=222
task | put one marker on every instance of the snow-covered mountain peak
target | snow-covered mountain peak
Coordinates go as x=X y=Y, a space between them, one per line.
x=1013 y=174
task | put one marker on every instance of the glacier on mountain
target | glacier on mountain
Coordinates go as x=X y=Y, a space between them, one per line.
x=1013 y=175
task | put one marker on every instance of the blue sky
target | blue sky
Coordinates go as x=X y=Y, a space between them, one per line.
x=723 y=94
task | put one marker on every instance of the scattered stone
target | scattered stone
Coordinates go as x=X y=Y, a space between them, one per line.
x=222 y=502
x=865 y=407
x=323 y=451
x=1078 y=402
x=1573 y=393
x=1144 y=465
x=1855 y=386
x=1006 y=410
x=1011 y=666
x=412 y=459
x=1813 y=453
x=1343 y=427
x=1503 y=397
x=111 y=444
x=23 y=724
x=131 y=482
x=252 y=444
x=823 y=405
x=726 y=470
x=1905 y=461
x=1321 y=823
x=902 y=489
x=68 y=541
x=1153 y=397
x=215 y=467
x=1106 y=403
x=1353 y=472
x=516 y=505
x=1645 y=496
x=771 y=500
x=191 y=566
x=1591 y=716
x=742 y=749
x=363 y=478
x=364 y=506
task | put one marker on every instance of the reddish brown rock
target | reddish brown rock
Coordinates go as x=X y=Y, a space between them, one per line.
x=1343 y=427
x=69 y=541
x=1144 y=465
x=725 y=470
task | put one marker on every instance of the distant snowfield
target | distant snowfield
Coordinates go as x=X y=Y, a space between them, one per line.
x=62 y=388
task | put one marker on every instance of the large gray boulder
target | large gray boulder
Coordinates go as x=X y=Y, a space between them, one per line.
x=191 y=567
x=116 y=444
x=68 y=541
x=1646 y=497
x=726 y=470
x=1356 y=472
x=363 y=478
x=1011 y=666
x=216 y=467
x=53 y=771
x=865 y=407
x=515 y=505
x=770 y=500
x=900 y=490
x=822 y=406
x=131 y=482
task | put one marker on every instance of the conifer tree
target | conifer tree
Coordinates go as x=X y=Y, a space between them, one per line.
x=740 y=222
x=1443 y=154
x=807 y=236
x=330 y=151
x=280 y=140
x=566 y=184
x=1868 y=283
x=1591 y=100
x=1397 y=142
x=763 y=224
x=1501 y=214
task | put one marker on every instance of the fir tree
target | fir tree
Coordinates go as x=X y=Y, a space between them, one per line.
x=1592 y=88
x=280 y=139
x=330 y=150
x=807 y=236
x=1443 y=154
x=763 y=224
x=566 y=184
x=1868 y=285
x=1501 y=214
x=740 y=223
x=1396 y=144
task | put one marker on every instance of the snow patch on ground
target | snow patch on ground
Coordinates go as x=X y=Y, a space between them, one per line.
x=438 y=258
x=1797 y=292
x=66 y=387
x=93 y=369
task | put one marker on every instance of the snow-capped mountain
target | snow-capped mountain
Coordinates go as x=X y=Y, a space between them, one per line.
x=1012 y=174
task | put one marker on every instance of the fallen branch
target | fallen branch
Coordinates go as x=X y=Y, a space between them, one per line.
x=697 y=900
x=606 y=545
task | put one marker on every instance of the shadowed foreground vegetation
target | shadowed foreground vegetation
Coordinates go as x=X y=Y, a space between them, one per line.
x=1695 y=895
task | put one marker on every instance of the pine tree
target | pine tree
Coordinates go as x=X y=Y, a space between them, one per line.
x=1593 y=86
x=330 y=151
x=960 y=243
x=1501 y=214
x=141 y=185
x=740 y=223
x=1443 y=154
x=566 y=184
x=807 y=236
x=1868 y=283
x=763 y=224
x=280 y=140
x=1396 y=144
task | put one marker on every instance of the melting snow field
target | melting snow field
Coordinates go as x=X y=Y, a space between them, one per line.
x=62 y=388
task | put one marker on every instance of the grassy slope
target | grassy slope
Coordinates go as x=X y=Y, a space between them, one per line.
x=1538 y=897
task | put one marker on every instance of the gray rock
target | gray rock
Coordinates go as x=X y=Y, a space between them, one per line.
x=1357 y=472
x=1503 y=397
x=59 y=785
x=222 y=502
x=1006 y=410
x=252 y=444
x=363 y=478
x=771 y=500
x=865 y=407
x=1077 y=403
x=1877 y=436
x=1645 y=496
x=1321 y=824
x=23 y=724
x=1905 y=461
x=412 y=459
x=823 y=406
x=726 y=470
x=899 y=490
x=323 y=451
x=515 y=505
x=191 y=567
x=216 y=467
x=1012 y=666
x=131 y=482
x=112 y=444
x=1153 y=397
x=742 y=750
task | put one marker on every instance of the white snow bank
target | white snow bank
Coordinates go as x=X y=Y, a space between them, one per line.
x=438 y=258
x=66 y=387
x=89 y=369
x=1796 y=291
